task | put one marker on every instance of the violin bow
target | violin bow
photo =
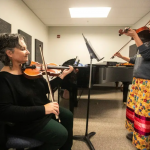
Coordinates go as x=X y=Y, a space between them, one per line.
x=148 y=23
x=49 y=86
x=121 y=49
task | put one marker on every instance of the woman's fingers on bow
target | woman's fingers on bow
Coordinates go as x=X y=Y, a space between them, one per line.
x=55 y=108
x=56 y=112
x=116 y=54
x=51 y=108
x=55 y=104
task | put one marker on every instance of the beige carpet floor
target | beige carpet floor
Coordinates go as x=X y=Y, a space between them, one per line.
x=106 y=118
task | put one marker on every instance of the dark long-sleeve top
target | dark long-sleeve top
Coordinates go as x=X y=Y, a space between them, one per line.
x=22 y=102
x=141 y=62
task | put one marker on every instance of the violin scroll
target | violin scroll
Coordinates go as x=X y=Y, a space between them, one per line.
x=121 y=31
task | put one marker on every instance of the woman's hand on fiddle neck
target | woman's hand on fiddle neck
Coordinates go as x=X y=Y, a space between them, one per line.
x=66 y=72
x=132 y=33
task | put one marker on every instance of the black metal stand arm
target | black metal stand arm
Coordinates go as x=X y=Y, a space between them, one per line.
x=86 y=138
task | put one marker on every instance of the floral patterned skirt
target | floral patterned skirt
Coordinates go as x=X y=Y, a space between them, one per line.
x=138 y=113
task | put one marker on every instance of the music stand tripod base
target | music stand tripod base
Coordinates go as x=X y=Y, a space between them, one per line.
x=86 y=139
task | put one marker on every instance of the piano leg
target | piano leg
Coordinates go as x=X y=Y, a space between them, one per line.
x=116 y=84
x=72 y=88
x=73 y=102
x=125 y=90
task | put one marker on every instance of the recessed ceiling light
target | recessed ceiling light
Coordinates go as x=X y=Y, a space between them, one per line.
x=89 y=12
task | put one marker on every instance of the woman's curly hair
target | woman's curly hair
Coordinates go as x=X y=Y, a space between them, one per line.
x=9 y=42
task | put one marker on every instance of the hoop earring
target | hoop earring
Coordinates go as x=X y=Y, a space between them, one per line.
x=10 y=65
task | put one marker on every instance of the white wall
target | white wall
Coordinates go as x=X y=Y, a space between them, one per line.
x=142 y=22
x=105 y=41
x=21 y=17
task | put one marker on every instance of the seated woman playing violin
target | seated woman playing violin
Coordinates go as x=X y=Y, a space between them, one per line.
x=138 y=104
x=23 y=101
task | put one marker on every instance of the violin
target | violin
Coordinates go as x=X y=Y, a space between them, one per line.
x=36 y=70
x=143 y=33
x=125 y=64
x=33 y=70
x=136 y=30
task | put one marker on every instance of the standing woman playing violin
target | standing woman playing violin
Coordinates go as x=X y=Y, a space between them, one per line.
x=23 y=101
x=138 y=104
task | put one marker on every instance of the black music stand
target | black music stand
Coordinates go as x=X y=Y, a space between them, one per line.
x=86 y=138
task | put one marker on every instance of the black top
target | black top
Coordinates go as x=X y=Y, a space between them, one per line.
x=22 y=100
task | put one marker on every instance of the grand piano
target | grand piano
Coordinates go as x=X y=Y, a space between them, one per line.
x=101 y=73
x=108 y=72
x=105 y=73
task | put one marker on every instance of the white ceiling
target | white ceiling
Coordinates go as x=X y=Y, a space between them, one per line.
x=56 y=12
